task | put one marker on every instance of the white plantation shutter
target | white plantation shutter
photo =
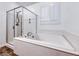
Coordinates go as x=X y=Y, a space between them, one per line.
x=50 y=14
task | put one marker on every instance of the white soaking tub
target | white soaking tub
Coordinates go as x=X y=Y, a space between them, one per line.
x=44 y=45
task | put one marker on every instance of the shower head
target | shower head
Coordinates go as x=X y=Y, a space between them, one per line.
x=17 y=23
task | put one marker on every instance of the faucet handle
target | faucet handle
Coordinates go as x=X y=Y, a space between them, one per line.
x=29 y=33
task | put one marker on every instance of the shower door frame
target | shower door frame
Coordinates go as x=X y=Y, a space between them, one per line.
x=14 y=21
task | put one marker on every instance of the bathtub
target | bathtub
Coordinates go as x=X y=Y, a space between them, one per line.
x=46 y=44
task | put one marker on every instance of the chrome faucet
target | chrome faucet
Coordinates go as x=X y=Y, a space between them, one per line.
x=30 y=34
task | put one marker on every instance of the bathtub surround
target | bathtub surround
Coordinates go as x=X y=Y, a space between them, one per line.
x=43 y=43
x=38 y=48
x=69 y=15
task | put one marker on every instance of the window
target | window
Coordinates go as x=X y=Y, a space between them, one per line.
x=49 y=14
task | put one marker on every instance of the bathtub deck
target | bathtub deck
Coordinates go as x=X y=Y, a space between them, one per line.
x=28 y=49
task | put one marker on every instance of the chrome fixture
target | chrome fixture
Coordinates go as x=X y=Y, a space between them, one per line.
x=18 y=20
x=29 y=20
x=30 y=34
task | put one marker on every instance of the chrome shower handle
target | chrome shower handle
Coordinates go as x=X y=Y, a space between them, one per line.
x=29 y=20
x=13 y=27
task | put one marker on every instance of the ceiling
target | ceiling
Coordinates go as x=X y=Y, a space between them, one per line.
x=26 y=3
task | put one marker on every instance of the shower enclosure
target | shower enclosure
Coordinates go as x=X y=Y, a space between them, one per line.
x=21 y=22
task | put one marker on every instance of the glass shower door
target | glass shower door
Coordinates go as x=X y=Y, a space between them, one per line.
x=10 y=26
x=29 y=24
x=21 y=22
x=18 y=22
